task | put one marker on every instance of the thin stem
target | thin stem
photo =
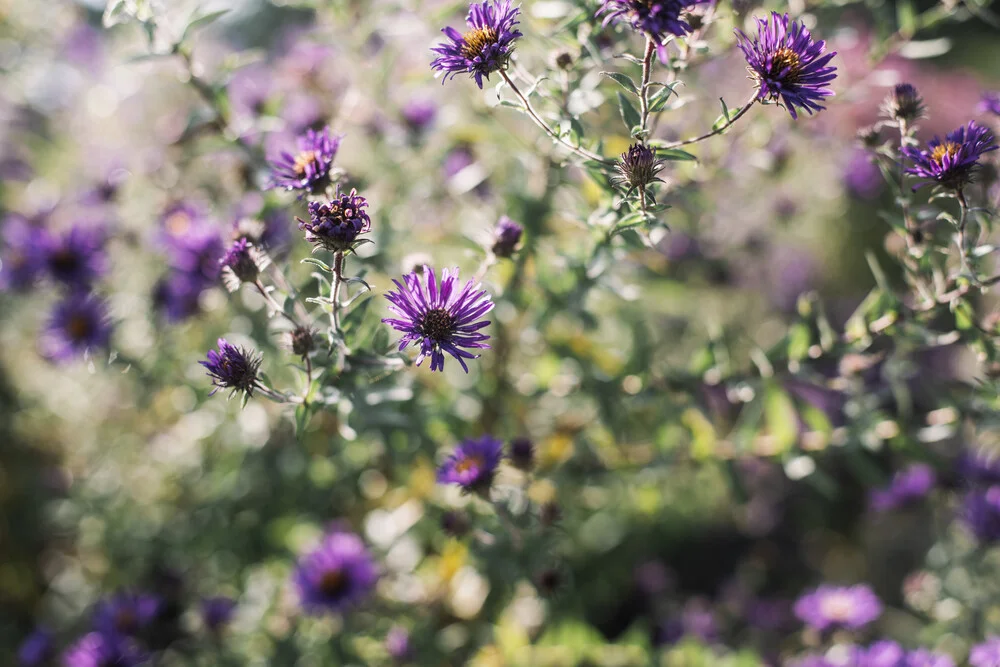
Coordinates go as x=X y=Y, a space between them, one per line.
x=962 y=242
x=275 y=306
x=582 y=152
x=309 y=379
x=338 y=279
x=647 y=66
x=719 y=130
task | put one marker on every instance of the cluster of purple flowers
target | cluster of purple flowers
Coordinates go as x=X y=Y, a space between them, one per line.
x=907 y=487
x=831 y=607
x=657 y=19
x=884 y=653
x=193 y=245
x=980 y=510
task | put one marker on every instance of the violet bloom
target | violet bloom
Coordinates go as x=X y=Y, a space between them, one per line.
x=233 y=368
x=883 y=653
x=986 y=654
x=981 y=466
x=787 y=64
x=990 y=103
x=397 y=643
x=336 y=224
x=336 y=575
x=829 y=607
x=419 y=115
x=473 y=465
x=924 y=658
x=78 y=324
x=907 y=486
x=241 y=264
x=506 y=237
x=216 y=612
x=951 y=163
x=76 y=258
x=23 y=256
x=487 y=45
x=442 y=318
x=126 y=613
x=37 y=649
x=655 y=18
x=862 y=177
x=177 y=295
x=309 y=169
x=101 y=650
x=981 y=513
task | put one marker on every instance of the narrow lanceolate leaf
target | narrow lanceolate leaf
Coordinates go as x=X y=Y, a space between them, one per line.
x=201 y=21
x=629 y=115
x=675 y=154
x=317 y=262
x=624 y=81
x=659 y=99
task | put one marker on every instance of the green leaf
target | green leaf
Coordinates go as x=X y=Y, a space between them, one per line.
x=660 y=98
x=301 y=419
x=201 y=21
x=115 y=13
x=624 y=81
x=781 y=418
x=316 y=262
x=629 y=115
x=675 y=154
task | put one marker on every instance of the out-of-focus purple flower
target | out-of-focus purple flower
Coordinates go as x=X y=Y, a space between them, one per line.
x=78 y=324
x=250 y=89
x=83 y=47
x=473 y=465
x=419 y=115
x=487 y=45
x=23 y=256
x=441 y=318
x=457 y=159
x=924 y=658
x=232 y=368
x=76 y=258
x=38 y=649
x=177 y=295
x=336 y=224
x=811 y=661
x=397 y=643
x=654 y=18
x=301 y=111
x=193 y=244
x=126 y=613
x=272 y=232
x=309 y=169
x=862 y=177
x=506 y=237
x=907 y=486
x=990 y=103
x=216 y=612
x=769 y=614
x=883 y=653
x=699 y=621
x=336 y=575
x=652 y=578
x=986 y=654
x=241 y=264
x=829 y=607
x=522 y=453
x=951 y=163
x=981 y=513
x=981 y=466
x=101 y=650
x=788 y=65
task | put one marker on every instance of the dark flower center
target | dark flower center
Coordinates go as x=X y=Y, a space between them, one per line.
x=78 y=327
x=477 y=40
x=303 y=160
x=470 y=463
x=437 y=324
x=64 y=261
x=787 y=63
x=948 y=148
x=333 y=583
x=126 y=621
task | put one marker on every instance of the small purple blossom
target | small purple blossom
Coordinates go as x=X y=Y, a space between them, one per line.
x=177 y=295
x=23 y=254
x=76 y=258
x=240 y=264
x=336 y=224
x=126 y=613
x=442 y=318
x=655 y=18
x=788 y=65
x=990 y=103
x=233 y=368
x=986 y=654
x=883 y=653
x=924 y=658
x=485 y=48
x=309 y=169
x=37 y=649
x=216 y=612
x=397 y=643
x=78 y=324
x=907 y=487
x=980 y=466
x=473 y=465
x=338 y=574
x=904 y=103
x=828 y=607
x=951 y=163
x=102 y=650
x=981 y=513
x=419 y=115
x=506 y=237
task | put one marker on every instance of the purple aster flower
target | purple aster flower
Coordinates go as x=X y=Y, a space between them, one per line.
x=38 y=649
x=241 y=264
x=193 y=244
x=506 y=237
x=76 y=326
x=811 y=661
x=862 y=176
x=177 y=295
x=473 y=465
x=487 y=45
x=441 y=317
x=981 y=466
x=397 y=643
x=23 y=257
x=829 y=607
x=232 y=368
x=336 y=224
x=102 y=650
x=907 y=486
x=336 y=575
x=986 y=654
x=637 y=168
x=126 y=613
x=951 y=163
x=419 y=115
x=924 y=658
x=216 y=612
x=981 y=513
x=76 y=258
x=655 y=18
x=788 y=66
x=883 y=653
x=990 y=103
x=309 y=169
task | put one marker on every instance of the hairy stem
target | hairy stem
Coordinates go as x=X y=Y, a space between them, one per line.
x=338 y=280
x=647 y=67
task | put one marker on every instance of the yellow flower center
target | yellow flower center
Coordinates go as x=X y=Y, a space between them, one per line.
x=787 y=58
x=303 y=160
x=948 y=148
x=177 y=223
x=469 y=463
x=477 y=40
x=837 y=607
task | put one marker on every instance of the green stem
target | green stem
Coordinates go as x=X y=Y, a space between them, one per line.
x=647 y=67
x=719 y=130
x=338 y=280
